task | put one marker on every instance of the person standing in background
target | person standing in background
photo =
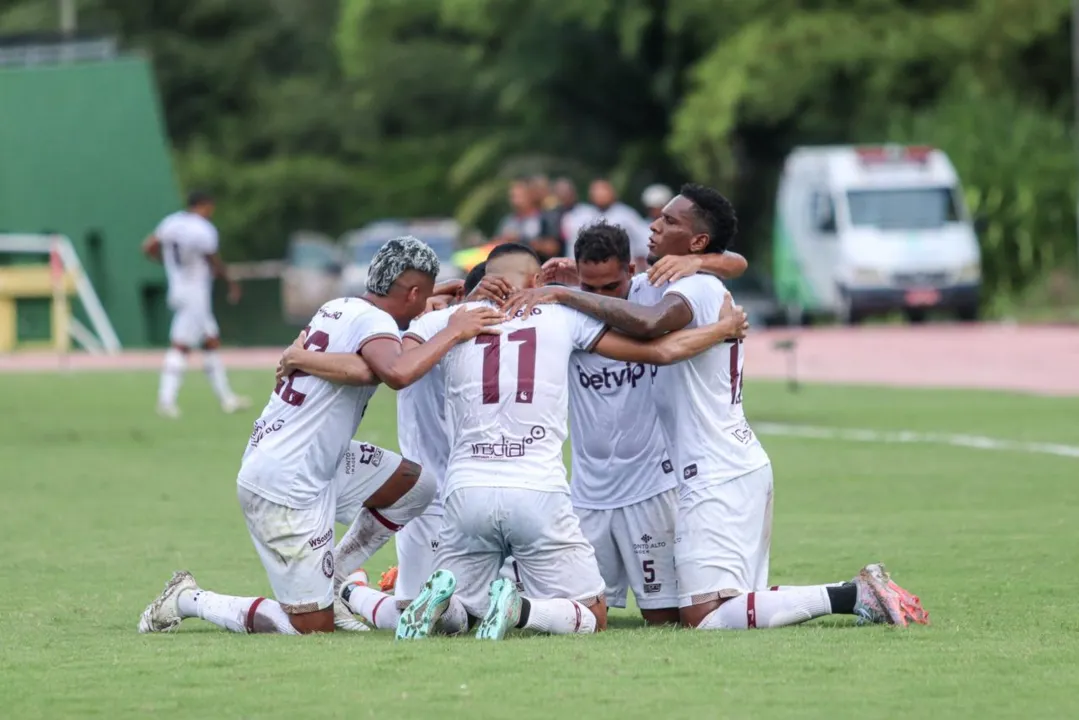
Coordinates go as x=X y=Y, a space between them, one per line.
x=603 y=196
x=654 y=198
x=186 y=243
x=523 y=223
x=553 y=240
x=542 y=193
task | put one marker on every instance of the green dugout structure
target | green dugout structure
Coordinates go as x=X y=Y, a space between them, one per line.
x=83 y=153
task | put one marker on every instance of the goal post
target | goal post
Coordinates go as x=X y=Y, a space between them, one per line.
x=59 y=277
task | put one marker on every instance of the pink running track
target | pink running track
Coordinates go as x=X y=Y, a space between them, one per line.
x=1031 y=359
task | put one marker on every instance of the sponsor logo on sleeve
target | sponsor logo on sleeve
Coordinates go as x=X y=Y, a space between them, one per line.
x=690 y=471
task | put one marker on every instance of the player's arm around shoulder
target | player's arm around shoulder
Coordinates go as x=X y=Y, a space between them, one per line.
x=672 y=268
x=640 y=321
x=401 y=365
x=337 y=367
x=679 y=345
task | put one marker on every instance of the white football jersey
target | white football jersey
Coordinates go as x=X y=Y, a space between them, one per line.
x=619 y=457
x=187 y=239
x=507 y=396
x=699 y=401
x=421 y=427
x=305 y=428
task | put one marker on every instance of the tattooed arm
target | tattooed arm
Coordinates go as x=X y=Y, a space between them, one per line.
x=639 y=321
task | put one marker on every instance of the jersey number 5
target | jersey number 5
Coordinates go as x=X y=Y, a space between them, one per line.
x=317 y=341
x=526 y=364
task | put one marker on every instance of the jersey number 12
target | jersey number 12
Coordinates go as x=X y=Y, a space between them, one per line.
x=317 y=341
x=526 y=364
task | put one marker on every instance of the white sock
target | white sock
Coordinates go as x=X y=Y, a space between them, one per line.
x=368 y=532
x=455 y=620
x=560 y=617
x=377 y=608
x=215 y=371
x=769 y=609
x=237 y=614
x=373 y=528
x=172 y=376
x=784 y=588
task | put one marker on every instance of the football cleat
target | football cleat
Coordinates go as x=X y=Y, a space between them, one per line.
x=168 y=411
x=388 y=581
x=163 y=614
x=344 y=620
x=881 y=601
x=503 y=611
x=419 y=618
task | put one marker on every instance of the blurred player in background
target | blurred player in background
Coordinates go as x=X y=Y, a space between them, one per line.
x=724 y=521
x=505 y=490
x=291 y=478
x=186 y=243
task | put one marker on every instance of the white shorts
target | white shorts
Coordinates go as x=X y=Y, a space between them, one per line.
x=363 y=469
x=296 y=544
x=482 y=526
x=635 y=550
x=724 y=537
x=193 y=323
x=417 y=543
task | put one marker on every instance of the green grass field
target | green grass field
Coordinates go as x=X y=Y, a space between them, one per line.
x=102 y=500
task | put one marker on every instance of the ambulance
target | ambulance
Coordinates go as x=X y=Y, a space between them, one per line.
x=873 y=230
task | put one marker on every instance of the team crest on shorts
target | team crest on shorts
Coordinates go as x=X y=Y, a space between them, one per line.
x=327 y=564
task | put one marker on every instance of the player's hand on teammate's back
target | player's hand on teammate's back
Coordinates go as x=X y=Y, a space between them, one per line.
x=467 y=324
x=673 y=267
x=492 y=288
x=524 y=300
x=734 y=316
x=560 y=270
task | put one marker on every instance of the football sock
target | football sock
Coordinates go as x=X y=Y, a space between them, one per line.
x=455 y=620
x=781 y=588
x=172 y=376
x=377 y=608
x=368 y=532
x=373 y=528
x=236 y=614
x=843 y=598
x=558 y=617
x=215 y=372
x=769 y=609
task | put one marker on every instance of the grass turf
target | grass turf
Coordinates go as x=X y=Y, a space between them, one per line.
x=102 y=501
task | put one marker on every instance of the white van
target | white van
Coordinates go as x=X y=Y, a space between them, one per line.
x=872 y=230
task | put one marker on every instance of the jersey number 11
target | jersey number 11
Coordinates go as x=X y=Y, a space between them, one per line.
x=526 y=364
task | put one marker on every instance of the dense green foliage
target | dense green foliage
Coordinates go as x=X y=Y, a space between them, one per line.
x=327 y=113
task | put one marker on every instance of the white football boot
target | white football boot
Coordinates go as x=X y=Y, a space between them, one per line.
x=163 y=614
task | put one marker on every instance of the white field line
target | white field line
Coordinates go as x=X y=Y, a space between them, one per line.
x=977 y=442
